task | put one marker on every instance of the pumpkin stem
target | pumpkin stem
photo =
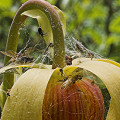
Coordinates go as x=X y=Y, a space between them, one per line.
x=58 y=37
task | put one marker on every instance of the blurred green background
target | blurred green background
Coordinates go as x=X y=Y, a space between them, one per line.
x=96 y=23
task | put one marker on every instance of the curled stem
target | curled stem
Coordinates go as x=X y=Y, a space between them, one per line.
x=58 y=37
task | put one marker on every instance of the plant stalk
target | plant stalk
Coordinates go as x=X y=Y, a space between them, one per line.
x=58 y=37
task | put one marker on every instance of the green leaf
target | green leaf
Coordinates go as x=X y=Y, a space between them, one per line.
x=94 y=34
x=23 y=1
x=113 y=39
x=115 y=25
x=5 y=3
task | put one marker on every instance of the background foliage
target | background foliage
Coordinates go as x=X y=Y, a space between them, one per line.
x=93 y=22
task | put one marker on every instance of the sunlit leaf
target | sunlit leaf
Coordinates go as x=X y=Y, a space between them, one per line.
x=115 y=25
x=51 y=1
x=118 y=2
x=113 y=39
x=97 y=11
x=93 y=34
x=5 y=3
x=23 y=1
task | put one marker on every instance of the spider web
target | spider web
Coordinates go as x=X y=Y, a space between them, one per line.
x=66 y=98
x=40 y=55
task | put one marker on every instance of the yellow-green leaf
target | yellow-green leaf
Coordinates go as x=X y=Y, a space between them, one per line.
x=5 y=4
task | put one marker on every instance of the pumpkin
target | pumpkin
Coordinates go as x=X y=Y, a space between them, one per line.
x=59 y=91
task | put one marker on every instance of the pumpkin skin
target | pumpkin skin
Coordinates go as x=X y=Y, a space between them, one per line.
x=81 y=101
